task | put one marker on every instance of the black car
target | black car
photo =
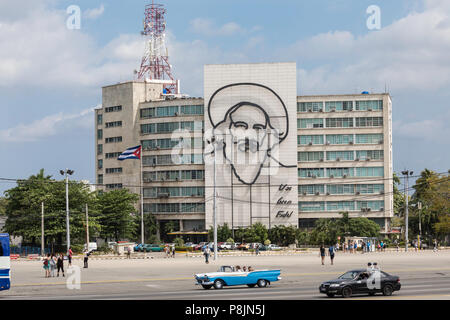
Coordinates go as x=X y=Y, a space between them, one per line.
x=356 y=282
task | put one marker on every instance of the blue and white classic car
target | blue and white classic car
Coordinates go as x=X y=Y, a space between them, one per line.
x=228 y=276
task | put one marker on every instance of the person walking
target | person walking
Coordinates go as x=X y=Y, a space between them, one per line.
x=363 y=247
x=381 y=246
x=322 y=253
x=86 y=258
x=355 y=247
x=331 y=251
x=344 y=246
x=52 y=265
x=435 y=246
x=257 y=249
x=47 y=265
x=206 y=253
x=60 y=264
x=128 y=253
x=69 y=256
x=173 y=251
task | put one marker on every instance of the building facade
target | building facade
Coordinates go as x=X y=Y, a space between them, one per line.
x=340 y=146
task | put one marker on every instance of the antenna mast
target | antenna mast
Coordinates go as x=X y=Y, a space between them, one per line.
x=155 y=62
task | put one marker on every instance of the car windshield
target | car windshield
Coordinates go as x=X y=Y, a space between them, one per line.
x=349 y=275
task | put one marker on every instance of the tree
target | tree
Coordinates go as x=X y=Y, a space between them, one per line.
x=282 y=235
x=117 y=214
x=150 y=228
x=23 y=209
x=223 y=233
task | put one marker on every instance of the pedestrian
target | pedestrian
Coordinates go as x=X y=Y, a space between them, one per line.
x=69 y=254
x=60 y=264
x=415 y=245
x=86 y=258
x=363 y=247
x=167 y=251
x=206 y=253
x=337 y=246
x=173 y=252
x=435 y=246
x=47 y=265
x=257 y=249
x=345 y=247
x=128 y=253
x=355 y=246
x=322 y=253
x=331 y=251
x=52 y=265
x=381 y=246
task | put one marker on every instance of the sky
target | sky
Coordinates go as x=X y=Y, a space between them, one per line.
x=51 y=76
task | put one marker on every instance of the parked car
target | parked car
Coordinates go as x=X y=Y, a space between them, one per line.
x=355 y=281
x=226 y=246
x=255 y=244
x=190 y=244
x=111 y=244
x=273 y=247
x=152 y=248
x=200 y=246
x=92 y=246
x=243 y=246
x=138 y=248
x=228 y=276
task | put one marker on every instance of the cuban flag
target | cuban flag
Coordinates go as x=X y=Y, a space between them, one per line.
x=131 y=153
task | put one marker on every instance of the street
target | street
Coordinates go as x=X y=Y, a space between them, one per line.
x=423 y=275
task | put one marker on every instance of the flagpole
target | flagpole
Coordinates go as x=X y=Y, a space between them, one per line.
x=142 y=202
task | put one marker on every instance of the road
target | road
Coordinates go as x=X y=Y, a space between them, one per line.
x=424 y=275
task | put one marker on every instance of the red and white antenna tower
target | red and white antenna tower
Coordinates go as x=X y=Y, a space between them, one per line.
x=155 y=62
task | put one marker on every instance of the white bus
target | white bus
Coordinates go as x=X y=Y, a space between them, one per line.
x=5 y=264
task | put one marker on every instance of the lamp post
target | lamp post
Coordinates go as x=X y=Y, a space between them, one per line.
x=406 y=173
x=67 y=172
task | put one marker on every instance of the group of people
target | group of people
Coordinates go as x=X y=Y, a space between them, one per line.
x=331 y=252
x=170 y=251
x=53 y=262
x=244 y=269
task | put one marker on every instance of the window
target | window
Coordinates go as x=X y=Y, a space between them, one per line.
x=192 y=125
x=113 y=124
x=99 y=134
x=112 y=155
x=338 y=106
x=100 y=179
x=311 y=189
x=100 y=164
x=369 y=172
x=369 y=122
x=372 y=205
x=194 y=109
x=311 y=172
x=340 y=189
x=310 y=156
x=99 y=119
x=148 y=128
x=113 y=170
x=340 y=206
x=113 y=109
x=114 y=186
x=374 y=138
x=309 y=106
x=310 y=139
x=167 y=175
x=167 y=127
x=193 y=191
x=339 y=172
x=339 y=138
x=192 y=207
x=169 y=111
x=369 y=188
x=369 y=154
x=368 y=105
x=99 y=149
x=341 y=155
x=147 y=113
x=309 y=123
x=339 y=122
x=192 y=174
x=113 y=140
x=311 y=206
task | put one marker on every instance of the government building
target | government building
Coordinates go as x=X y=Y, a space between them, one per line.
x=251 y=150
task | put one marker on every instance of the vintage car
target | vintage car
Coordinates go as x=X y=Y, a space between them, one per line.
x=228 y=276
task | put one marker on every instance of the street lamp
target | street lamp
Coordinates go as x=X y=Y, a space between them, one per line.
x=406 y=173
x=67 y=172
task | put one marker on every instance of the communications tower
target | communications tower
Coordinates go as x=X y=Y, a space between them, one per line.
x=155 y=66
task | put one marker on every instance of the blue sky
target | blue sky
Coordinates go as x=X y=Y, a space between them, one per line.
x=51 y=77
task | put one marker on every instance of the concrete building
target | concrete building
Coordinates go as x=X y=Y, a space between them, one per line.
x=343 y=145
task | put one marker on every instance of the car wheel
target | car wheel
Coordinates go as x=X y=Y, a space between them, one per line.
x=206 y=286
x=387 y=290
x=330 y=295
x=371 y=293
x=251 y=285
x=218 y=284
x=346 y=292
x=262 y=283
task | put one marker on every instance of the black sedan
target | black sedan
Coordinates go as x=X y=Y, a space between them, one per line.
x=361 y=282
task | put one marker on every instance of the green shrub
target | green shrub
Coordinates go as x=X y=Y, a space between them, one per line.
x=179 y=242
x=184 y=249
x=230 y=240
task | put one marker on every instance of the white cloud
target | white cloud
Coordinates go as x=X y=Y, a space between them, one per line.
x=48 y=126
x=94 y=13
x=208 y=28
